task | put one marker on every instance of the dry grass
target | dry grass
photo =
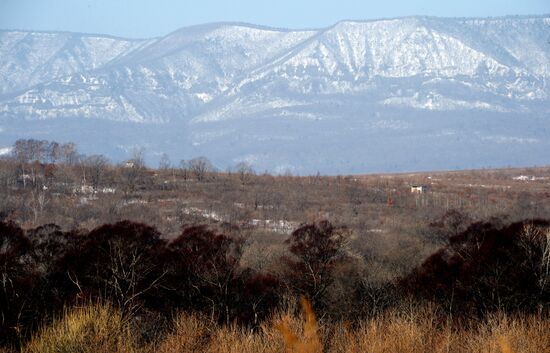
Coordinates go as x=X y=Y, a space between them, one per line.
x=99 y=329
x=95 y=328
x=421 y=333
x=310 y=341
x=506 y=335
x=193 y=335
x=415 y=331
x=190 y=334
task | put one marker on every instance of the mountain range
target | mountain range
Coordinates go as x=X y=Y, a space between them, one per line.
x=416 y=93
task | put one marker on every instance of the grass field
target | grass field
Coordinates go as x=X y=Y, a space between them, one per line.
x=101 y=329
x=392 y=235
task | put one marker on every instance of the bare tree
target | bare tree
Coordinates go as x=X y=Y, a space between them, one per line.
x=317 y=248
x=184 y=169
x=38 y=203
x=96 y=166
x=535 y=240
x=137 y=158
x=134 y=168
x=22 y=155
x=69 y=153
x=244 y=170
x=206 y=269
x=200 y=166
x=54 y=152
x=164 y=162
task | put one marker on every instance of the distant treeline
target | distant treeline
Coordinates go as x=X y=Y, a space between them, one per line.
x=486 y=268
x=52 y=152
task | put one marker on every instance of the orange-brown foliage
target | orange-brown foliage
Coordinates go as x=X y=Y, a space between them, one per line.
x=310 y=341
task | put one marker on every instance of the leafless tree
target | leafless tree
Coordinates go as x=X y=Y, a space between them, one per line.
x=69 y=153
x=38 y=203
x=54 y=152
x=134 y=168
x=96 y=166
x=200 y=166
x=244 y=170
x=184 y=169
x=164 y=162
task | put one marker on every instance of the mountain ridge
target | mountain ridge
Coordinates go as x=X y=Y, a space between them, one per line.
x=260 y=26
x=240 y=85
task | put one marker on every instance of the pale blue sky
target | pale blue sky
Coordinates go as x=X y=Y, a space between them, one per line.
x=136 y=18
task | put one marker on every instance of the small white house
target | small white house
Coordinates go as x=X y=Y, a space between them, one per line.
x=418 y=189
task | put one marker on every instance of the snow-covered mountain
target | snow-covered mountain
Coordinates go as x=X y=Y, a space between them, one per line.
x=386 y=95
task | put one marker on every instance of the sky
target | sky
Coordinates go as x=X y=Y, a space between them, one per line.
x=141 y=19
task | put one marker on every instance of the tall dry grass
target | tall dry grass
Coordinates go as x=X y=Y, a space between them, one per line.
x=528 y=334
x=421 y=333
x=94 y=328
x=310 y=341
x=99 y=328
x=190 y=334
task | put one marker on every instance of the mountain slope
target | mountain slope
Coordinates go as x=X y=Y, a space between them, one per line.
x=416 y=62
x=30 y=58
x=167 y=78
x=422 y=87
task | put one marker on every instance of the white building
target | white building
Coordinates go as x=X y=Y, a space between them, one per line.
x=419 y=189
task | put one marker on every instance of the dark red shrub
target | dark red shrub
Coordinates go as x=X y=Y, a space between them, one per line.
x=487 y=268
x=204 y=272
x=123 y=262
x=17 y=280
x=316 y=249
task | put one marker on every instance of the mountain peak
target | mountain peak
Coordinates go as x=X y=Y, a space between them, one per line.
x=240 y=91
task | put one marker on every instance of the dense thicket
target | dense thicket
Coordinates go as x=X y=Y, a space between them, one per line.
x=485 y=268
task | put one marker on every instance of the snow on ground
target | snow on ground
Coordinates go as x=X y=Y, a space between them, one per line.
x=529 y=178
x=277 y=226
